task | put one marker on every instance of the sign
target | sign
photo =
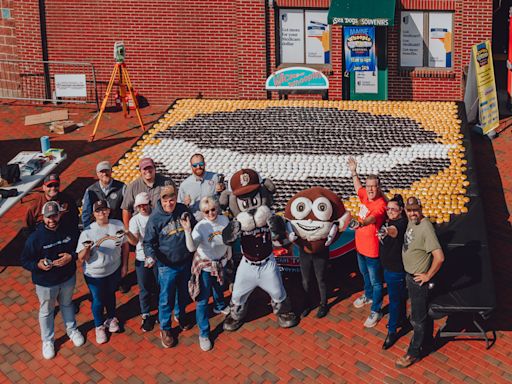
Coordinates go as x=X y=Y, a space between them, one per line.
x=481 y=88
x=359 y=48
x=318 y=41
x=440 y=39
x=367 y=82
x=411 y=38
x=297 y=78
x=291 y=23
x=70 y=86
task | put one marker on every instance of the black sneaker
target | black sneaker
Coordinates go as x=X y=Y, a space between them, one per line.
x=147 y=324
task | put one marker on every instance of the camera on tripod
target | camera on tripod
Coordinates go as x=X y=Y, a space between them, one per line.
x=119 y=52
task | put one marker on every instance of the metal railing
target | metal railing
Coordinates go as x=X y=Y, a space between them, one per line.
x=34 y=80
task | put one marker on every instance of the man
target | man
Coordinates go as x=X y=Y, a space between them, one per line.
x=199 y=184
x=422 y=256
x=164 y=241
x=149 y=182
x=49 y=254
x=370 y=218
x=106 y=188
x=51 y=192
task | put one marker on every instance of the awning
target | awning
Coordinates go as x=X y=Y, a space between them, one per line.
x=379 y=13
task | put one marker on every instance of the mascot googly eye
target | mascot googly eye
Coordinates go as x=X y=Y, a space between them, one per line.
x=317 y=216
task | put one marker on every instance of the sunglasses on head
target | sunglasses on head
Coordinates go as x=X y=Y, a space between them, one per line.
x=198 y=164
x=212 y=210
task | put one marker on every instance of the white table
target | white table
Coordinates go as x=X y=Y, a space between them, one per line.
x=27 y=182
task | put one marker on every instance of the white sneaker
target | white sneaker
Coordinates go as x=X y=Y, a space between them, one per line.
x=101 y=335
x=225 y=311
x=112 y=325
x=77 y=338
x=48 y=350
x=205 y=343
x=373 y=319
x=362 y=301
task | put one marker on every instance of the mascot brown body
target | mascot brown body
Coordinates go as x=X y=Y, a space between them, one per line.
x=249 y=202
x=316 y=217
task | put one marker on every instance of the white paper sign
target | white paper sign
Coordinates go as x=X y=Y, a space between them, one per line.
x=411 y=37
x=70 y=86
x=440 y=39
x=367 y=82
x=317 y=37
x=291 y=22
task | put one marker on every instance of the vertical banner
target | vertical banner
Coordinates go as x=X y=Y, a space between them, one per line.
x=486 y=85
x=359 y=48
x=440 y=39
x=411 y=38
x=291 y=23
x=318 y=41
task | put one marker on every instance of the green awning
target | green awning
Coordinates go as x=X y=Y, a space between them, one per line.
x=379 y=13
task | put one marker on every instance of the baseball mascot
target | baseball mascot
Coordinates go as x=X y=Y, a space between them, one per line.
x=316 y=217
x=249 y=201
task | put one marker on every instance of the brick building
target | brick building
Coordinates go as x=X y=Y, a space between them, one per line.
x=227 y=48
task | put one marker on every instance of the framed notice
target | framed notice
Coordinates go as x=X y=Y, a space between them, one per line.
x=411 y=37
x=70 y=85
x=367 y=82
x=318 y=42
x=291 y=23
x=440 y=39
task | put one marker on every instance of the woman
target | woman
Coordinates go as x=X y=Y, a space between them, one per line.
x=103 y=250
x=208 y=264
x=391 y=236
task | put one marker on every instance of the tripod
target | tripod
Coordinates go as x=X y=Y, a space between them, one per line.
x=124 y=84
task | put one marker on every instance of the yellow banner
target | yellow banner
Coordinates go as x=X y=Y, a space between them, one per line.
x=486 y=85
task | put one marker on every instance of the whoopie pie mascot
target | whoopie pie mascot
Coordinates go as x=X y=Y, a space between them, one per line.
x=249 y=201
x=317 y=216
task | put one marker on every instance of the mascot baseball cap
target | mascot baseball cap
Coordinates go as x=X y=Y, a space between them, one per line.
x=244 y=181
x=100 y=204
x=51 y=208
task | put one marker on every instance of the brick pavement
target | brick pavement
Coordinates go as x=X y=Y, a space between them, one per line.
x=336 y=349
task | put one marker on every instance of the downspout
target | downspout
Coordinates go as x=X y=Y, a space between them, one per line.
x=44 y=48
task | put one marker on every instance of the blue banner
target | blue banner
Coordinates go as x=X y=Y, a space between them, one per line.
x=359 y=48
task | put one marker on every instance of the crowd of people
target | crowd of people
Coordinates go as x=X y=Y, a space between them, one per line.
x=180 y=254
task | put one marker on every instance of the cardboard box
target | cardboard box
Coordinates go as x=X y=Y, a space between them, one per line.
x=62 y=127
x=59 y=114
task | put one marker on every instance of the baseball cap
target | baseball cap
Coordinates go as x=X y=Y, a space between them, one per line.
x=51 y=208
x=52 y=178
x=146 y=162
x=100 y=204
x=103 y=166
x=141 y=198
x=244 y=181
x=167 y=190
x=413 y=203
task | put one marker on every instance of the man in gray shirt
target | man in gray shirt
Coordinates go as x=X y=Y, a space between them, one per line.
x=199 y=184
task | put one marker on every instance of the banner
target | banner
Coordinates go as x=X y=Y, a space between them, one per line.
x=359 y=48
x=440 y=40
x=318 y=41
x=293 y=78
x=481 y=77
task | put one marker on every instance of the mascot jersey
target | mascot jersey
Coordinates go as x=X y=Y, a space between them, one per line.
x=256 y=244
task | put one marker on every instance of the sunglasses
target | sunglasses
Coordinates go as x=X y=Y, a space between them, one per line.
x=199 y=164
x=213 y=210
x=392 y=209
x=54 y=185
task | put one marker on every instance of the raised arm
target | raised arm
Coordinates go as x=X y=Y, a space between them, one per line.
x=352 y=166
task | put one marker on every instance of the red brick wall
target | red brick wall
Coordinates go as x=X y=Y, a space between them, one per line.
x=221 y=48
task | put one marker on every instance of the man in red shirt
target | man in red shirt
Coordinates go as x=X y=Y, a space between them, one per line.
x=370 y=218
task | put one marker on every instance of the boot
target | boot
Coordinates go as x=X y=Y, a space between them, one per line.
x=231 y=325
x=287 y=320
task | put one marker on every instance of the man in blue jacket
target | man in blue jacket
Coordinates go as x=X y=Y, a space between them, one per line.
x=164 y=241
x=49 y=254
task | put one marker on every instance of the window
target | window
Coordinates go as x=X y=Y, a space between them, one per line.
x=426 y=39
x=304 y=37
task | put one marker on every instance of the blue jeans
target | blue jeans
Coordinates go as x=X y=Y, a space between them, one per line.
x=371 y=270
x=48 y=297
x=103 y=292
x=207 y=283
x=172 y=279
x=147 y=281
x=397 y=296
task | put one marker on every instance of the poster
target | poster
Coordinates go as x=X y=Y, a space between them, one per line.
x=359 y=48
x=291 y=23
x=440 y=40
x=70 y=86
x=318 y=41
x=367 y=82
x=411 y=38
